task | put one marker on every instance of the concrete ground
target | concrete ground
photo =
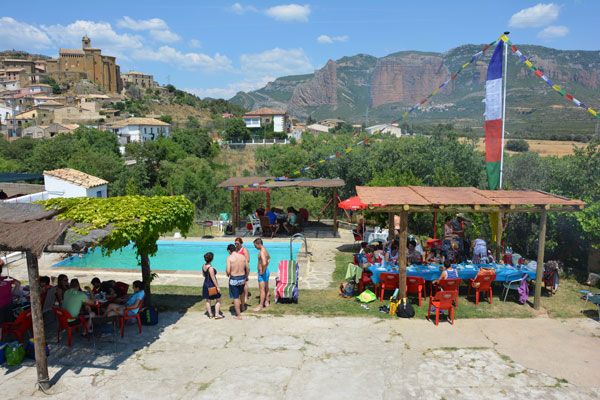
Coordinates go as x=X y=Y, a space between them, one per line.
x=295 y=357
x=188 y=356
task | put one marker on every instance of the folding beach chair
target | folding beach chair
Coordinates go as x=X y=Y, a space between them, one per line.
x=286 y=287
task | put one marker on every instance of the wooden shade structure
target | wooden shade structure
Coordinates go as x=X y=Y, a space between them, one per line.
x=407 y=199
x=30 y=228
x=236 y=185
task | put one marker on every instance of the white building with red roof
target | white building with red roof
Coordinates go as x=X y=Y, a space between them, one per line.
x=265 y=116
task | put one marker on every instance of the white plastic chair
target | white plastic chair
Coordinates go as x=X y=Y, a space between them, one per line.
x=223 y=220
x=513 y=281
x=255 y=224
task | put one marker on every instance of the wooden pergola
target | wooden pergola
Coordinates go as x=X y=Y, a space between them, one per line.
x=236 y=184
x=30 y=228
x=419 y=199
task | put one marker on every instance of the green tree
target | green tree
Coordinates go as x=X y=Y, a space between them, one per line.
x=236 y=130
x=518 y=145
x=166 y=118
x=136 y=219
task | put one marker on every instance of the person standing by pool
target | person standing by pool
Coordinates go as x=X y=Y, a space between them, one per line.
x=237 y=270
x=243 y=251
x=263 y=274
x=210 y=280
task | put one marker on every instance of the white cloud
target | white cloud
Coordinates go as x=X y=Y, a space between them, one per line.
x=240 y=9
x=165 y=36
x=141 y=24
x=232 y=88
x=195 y=43
x=19 y=35
x=536 y=16
x=290 y=12
x=277 y=62
x=552 y=32
x=101 y=33
x=324 y=39
x=189 y=61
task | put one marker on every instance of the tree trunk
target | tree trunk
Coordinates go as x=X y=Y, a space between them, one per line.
x=146 y=277
x=39 y=335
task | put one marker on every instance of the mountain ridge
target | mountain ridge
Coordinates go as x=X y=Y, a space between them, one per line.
x=388 y=86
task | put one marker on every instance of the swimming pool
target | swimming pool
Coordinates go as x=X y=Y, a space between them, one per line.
x=182 y=256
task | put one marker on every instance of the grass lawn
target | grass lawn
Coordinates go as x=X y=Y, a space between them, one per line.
x=566 y=303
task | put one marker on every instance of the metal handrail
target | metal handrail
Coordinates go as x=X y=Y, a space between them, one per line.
x=301 y=237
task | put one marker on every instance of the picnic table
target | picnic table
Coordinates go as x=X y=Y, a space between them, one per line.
x=465 y=271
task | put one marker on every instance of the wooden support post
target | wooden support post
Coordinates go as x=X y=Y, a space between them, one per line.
x=499 y=238
x=391 y=230
x=39 y=335
x=402 y=254
x=335 y=211
x=237 y=207
x=540 y=260
x=233 y=219
x=268 y=200
x=434 y=224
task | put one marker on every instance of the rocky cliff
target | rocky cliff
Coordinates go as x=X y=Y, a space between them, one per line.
x=321 y=89
x=406 y=79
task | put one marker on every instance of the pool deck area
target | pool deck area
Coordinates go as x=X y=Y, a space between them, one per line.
x=315 y=269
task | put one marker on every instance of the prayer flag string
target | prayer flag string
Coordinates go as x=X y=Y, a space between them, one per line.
x=354 y=146
x=541 y=75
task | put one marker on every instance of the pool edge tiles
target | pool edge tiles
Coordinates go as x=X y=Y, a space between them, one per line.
x=181 y=256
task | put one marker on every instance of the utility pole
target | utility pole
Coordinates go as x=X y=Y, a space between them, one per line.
x=12 y=103
x=367 y=118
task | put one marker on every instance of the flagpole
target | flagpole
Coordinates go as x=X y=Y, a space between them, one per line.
x=504 y=79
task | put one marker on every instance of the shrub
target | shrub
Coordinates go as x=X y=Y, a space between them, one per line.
x=519 y=145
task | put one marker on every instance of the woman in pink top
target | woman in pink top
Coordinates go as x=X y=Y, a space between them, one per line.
x=243 y=251
x=6 y=296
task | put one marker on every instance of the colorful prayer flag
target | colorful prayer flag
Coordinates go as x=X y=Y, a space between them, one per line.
x=493 y=118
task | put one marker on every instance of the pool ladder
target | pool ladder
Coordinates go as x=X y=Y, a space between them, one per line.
x=300 y=237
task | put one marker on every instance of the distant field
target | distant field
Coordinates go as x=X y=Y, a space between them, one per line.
x=546 y=147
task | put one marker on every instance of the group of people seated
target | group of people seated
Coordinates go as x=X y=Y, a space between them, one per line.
x=387 y=253
x=101 y=299
x=292 y=221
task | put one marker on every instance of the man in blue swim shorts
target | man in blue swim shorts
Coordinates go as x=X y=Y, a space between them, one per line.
x=237 y=270
x=263 y=274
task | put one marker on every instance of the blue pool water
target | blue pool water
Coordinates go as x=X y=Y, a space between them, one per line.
x=182 y=256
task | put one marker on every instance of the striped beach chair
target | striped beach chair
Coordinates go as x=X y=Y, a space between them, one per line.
x=286 y=287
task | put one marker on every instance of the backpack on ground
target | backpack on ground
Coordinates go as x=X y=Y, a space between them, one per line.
x=405 y=309
x=149 y=316
x=346 y=289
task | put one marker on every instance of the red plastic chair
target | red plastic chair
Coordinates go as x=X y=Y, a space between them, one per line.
x=449 y=285
x=124 y=317
x=121 y=288
x=441 y=301
x=415 y=285
x=387 y=281
x=432 y=244
x=547 y=279
x=19 y=327
x=63 y=317
x=485 y=286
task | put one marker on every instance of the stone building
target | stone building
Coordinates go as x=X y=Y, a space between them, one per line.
x=138 y=78
x=102 y=70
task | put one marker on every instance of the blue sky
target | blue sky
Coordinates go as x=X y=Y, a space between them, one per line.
x=216 y=48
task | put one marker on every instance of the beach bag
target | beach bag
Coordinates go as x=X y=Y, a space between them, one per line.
x=405 y=309
x=346 y=290
x=366 y=297
x=149 y=316
x=212 y=291
x=14 y=353
x=30 y=349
